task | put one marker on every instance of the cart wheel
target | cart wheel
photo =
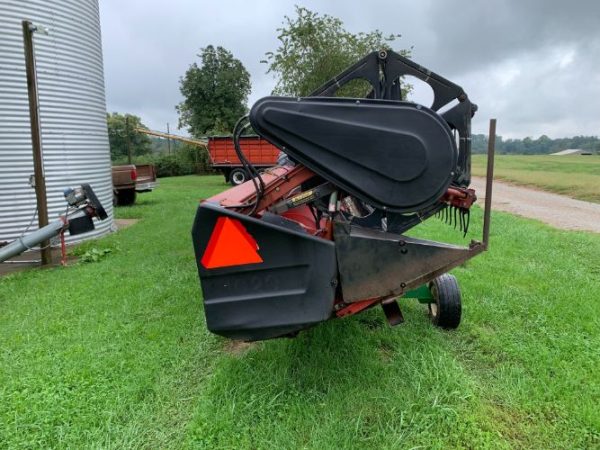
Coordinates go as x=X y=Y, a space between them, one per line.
x=445 y=311
x=238 y=176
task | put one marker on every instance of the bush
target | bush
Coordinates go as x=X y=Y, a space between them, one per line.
x=196 y=158
x=171 y=166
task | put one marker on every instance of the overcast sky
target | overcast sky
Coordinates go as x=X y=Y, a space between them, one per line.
x=533 y=64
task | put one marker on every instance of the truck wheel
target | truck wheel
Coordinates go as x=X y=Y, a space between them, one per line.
x=125 y=197
x=238 y=176
x=445 y=311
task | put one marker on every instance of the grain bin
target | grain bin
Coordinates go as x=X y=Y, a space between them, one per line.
x=72 y=110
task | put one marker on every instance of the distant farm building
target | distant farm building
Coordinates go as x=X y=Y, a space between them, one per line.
x=572 y=151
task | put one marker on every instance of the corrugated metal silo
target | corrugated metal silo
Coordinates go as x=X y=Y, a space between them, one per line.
x=72 y=110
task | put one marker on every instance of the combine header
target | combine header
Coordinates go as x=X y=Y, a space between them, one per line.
x=321 y=235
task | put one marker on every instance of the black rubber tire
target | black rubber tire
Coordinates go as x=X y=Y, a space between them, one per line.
x=238 y=176
x=446 y=311
x=126 y=197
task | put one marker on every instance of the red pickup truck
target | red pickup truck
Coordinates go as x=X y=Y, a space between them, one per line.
x=129 y=179
x=260 y=152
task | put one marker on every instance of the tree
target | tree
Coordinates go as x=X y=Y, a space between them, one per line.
x=215 y=93
x=314 y=48
x=118 y=127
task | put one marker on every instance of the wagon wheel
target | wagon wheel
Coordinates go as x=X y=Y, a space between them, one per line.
x=445 y=310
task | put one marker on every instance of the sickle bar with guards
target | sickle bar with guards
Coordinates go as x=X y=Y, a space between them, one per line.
x=322 y=234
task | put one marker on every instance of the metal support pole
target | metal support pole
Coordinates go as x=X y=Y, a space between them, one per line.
x=127 y=140
x=488 y=182
x=36 y=137
x=168 y=138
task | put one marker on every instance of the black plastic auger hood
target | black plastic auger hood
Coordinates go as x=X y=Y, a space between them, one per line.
x=394 y=155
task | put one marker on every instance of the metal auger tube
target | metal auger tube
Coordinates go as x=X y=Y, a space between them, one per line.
x=86 y=206
x=23 y=243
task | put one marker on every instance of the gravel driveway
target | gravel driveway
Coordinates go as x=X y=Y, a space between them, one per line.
x=553 y=209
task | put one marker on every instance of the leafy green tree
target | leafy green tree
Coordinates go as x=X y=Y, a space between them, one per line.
x=119 y=127
x=314 y=48
x=215 y=93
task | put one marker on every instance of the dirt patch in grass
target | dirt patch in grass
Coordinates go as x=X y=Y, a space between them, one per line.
x=238 y=348
x=32 y=260
x=125 y=223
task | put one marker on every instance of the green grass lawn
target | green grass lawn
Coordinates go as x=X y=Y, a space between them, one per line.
x=115 y=353
x=576 y=176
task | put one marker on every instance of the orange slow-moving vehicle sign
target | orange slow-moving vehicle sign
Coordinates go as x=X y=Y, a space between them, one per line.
x=230 y=244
